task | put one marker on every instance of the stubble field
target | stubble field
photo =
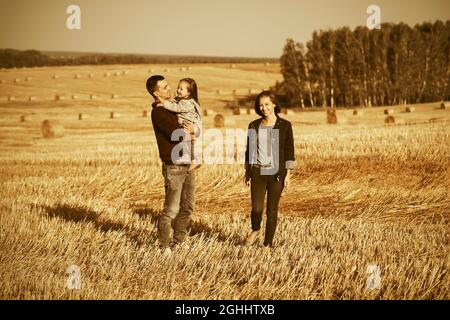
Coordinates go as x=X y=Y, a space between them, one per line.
x=366 y=216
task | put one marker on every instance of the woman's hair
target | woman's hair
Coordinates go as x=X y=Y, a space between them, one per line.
x=192 y=87
x=273 y=98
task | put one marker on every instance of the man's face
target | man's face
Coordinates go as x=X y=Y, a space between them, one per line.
x=163 y=92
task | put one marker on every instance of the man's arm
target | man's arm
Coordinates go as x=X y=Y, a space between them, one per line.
x=165 y=122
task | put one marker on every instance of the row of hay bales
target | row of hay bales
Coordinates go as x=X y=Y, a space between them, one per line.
x=167 y=70
x=234 y=92
x=62 y=97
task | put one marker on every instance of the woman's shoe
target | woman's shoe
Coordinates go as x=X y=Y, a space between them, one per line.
x=251 y=238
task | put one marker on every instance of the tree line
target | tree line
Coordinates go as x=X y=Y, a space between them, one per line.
x=11 y=58
x=396 y=64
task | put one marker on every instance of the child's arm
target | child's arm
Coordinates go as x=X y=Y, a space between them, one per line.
x=180 y=106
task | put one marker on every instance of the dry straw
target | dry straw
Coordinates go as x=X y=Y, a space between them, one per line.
x=331 y=116
x=219 y=121
x=52 y=129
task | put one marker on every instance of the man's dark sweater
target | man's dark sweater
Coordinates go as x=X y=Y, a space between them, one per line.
x=164 y=123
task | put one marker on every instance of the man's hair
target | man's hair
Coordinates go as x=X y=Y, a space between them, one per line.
x=192 y=87
x=273 y=98
x=152 y=84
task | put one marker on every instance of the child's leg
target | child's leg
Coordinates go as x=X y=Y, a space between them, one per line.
x=194 y=163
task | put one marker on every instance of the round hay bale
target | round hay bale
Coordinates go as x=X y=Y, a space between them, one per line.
x=219 y=92
x=31 y=98
x=77 y=76
x=106 y=74
x=59 y=97
x=234 y=92
x=74 y=97
x=219 y=121
x=188 y=68
x=145 y=114
x=248 y=110
x=55 y=76
x=91 y=75
x=388 y=111
x=113 y=115
x=16 y=80
x=232 y=66
x=166 y=70
x=267 y=64
x=92 y=97
x=114 y=96
x=331 y=116
x=80 y=116
x=410 y=109
x=11 y=98
x=389 y=120
x=445 y=105
x=52 y=129
x=151 y=70
x=358 y=112
x=124 y=72
x=2 y=81
x=23 y=118
x=28 y=79
x=205 y=112
x=236 y=111
x=117 y=73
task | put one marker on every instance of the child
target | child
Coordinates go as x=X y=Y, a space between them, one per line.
x=187 y=107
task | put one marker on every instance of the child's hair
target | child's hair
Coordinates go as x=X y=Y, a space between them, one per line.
x=192 y=87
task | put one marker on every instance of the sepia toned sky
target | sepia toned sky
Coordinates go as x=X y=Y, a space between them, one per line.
x=250 y=28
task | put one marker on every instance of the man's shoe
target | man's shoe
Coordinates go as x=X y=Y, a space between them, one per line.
x=251 y=238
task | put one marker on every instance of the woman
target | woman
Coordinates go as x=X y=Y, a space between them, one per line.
x=268 y=160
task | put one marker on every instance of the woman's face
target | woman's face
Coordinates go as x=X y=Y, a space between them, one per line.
x=266 y=106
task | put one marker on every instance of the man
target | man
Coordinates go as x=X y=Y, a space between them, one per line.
x=178 y=183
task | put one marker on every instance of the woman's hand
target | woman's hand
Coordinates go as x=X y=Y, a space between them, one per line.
x=287 y=180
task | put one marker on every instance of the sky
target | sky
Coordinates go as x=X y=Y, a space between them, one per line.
x=244 y=28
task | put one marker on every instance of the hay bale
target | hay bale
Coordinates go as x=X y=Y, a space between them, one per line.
x=410 y=109
x=124 y=72
x=166 y=70
x=234 y=92
x=267 y=64
x=80 y=116
x=445 y=105
x=331 y=116
x=59 y=98
x=55 y=76
x=16 y=80
x=74 y=97
x=91 y=75
x=113 y=115
x=31 y=98
x=205 y=112
x=232 y=66
x=106 y=74
x=117 y=73
x=52 y=129
x=219 y=121
x=114 y=96
x=145 y=114
x=188 y=68
x=358 y=112
x=389 y=120
x=2 y=81
x=151 y=70
x=11 y=98
x=23 y=118
x=236 y=111
x=219 y=92
x=77 y=76
x=92 y=97
x=28 y=79
x=388 y=111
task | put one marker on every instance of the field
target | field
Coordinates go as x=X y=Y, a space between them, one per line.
x=366 y=217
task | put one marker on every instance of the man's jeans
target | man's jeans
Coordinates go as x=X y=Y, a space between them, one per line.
x=178 y=204
x=259 y=185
